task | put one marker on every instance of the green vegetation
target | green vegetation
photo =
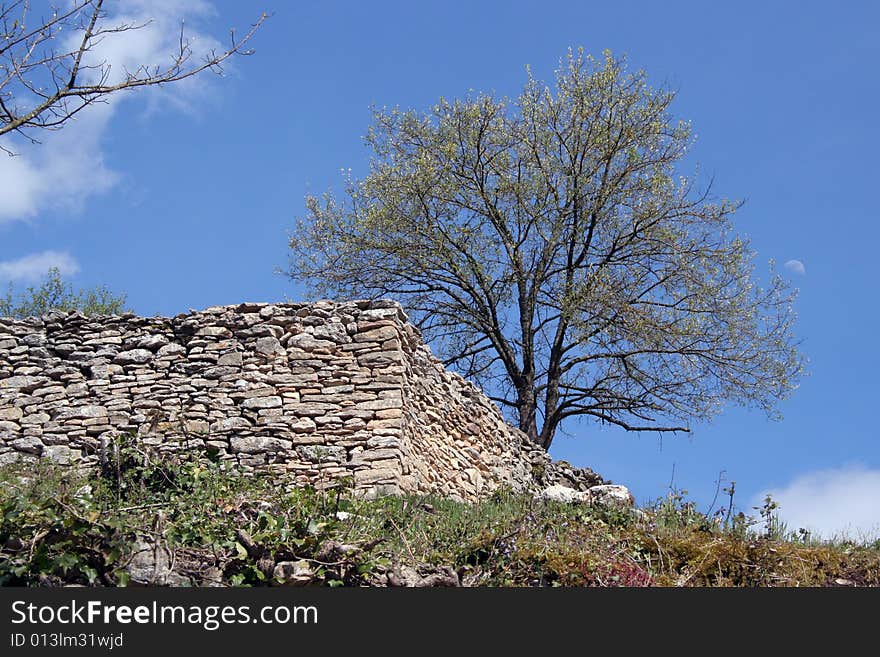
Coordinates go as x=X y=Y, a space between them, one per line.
x=56 y=294
x=59 y=527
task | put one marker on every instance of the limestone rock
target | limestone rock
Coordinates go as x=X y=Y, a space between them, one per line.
x=87 y=411
x=424 y=577
x=60 y=454
x=295 y=573
x=321 y=453
x=231 y=423
x=261 y=402
x=233 y=359
x=170 y=350
x=557 y=493
x=150 y=565
x=269 y=346
x=152 y=342
x=214 y=332
x=23 y=383
x=28 y=445
x=258 y=444
x=303 y=425
x=611 y=496
x=133 y=357
x=10 y=413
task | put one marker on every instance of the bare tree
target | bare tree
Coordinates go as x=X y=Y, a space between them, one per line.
x=550 y=251
x=49 y=70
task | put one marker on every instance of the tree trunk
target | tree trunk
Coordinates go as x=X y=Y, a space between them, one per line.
x=549 y=428
x=546 y=435
x=527 y=407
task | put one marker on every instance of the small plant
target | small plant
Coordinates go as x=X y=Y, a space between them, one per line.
x=539 y=471
x=675 y=511
x=774 y=528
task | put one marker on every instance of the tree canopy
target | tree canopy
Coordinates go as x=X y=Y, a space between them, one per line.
x=549 y=249
x=56 y=294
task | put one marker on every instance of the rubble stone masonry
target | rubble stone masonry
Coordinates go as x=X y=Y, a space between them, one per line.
x=310 y=392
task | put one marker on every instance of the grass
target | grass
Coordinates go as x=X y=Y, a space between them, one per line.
x=58 y=527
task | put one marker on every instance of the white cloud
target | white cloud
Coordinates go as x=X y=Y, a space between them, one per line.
x=796 y=266
x=68 y=168
x=63 y=172
x=33 y=267
x=834 y=502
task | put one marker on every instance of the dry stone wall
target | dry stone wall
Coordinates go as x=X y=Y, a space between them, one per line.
x=310 y=392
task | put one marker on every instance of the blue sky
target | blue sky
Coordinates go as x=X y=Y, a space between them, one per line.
x=182 y=197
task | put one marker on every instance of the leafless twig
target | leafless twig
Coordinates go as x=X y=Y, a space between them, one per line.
x=45 y=81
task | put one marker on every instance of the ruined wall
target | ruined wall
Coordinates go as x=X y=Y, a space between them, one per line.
x=311 y=392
